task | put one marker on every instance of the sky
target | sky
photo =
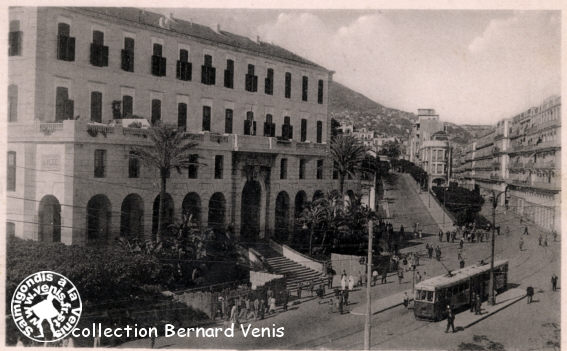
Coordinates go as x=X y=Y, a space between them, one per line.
x=472 y=66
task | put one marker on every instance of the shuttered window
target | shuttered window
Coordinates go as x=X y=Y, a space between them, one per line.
x=12 y=103
x=182 y=116
x=156 y=110
x=96 y=106
x=206 y=118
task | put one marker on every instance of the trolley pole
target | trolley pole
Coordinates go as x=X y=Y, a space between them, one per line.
x=367 y=332
x=492 y=298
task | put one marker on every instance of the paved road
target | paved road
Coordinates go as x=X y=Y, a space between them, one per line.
x=521 y=326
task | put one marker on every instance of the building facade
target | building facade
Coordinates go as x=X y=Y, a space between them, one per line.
x=429 y=146
x=521 y=155
x=81 y=78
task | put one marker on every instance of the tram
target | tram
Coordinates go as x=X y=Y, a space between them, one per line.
x=456 y=289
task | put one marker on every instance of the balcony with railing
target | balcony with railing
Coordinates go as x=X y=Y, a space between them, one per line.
x=84 y=132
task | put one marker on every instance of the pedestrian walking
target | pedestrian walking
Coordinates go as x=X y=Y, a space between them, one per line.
x=400 y=275
x=345 y=297
x=272 y=308
x=311 y=287
x=554 y=233
x=350 y=282
x=430 y=251
x=343 y=282
x=473 y=302
x=406 y=300
x=262 y=309
x=257 y=308
x=525 y=230
x=478 y=305
x=374 y=277
x=448 y=236
x=521 y=244
x=539 y=239
x=440 y=236
x=450 y=320
x=384 y=276
x=234 y=313
x=461 y=244
x=285 y=299
x=545 y=241
x=462 y=263
x=554 y=282
x=299 y=288
x=530 y=293
x=417 y=276
x=438 y=253
x=421 y=234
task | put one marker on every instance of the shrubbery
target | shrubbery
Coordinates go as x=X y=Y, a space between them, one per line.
x=97 y=272
x=463 y=203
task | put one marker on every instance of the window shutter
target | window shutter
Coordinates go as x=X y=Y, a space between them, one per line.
x=70 y=49
x=228 y=121
x=96 y=106
x=69 y=109
x=127 y=106
x=156 y=110
x=162 y=66
x=182 y=116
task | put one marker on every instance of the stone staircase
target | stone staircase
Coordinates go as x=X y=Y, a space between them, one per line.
x=294 y=272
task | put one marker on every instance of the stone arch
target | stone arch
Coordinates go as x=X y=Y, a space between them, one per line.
x=99 y=215
x=49 y=223
x=281 y=227
x=192 y=206
x=300 y=202
x=217 y=212
x=349 y=196
x=168 y=212
x=132 y=216
x=251 y=209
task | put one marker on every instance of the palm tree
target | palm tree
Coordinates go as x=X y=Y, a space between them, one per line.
x=347 y=154
x=170 y=149
x=313 y=215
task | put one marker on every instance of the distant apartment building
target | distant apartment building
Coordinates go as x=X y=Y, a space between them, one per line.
x=80 y=77
x=429 y=146
x=523 y=155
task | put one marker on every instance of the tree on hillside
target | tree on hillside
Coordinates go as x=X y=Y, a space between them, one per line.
x=335 y=125
x=170 y=149
x=347 y=154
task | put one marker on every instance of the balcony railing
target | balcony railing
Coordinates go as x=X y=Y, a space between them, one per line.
x=50 y=128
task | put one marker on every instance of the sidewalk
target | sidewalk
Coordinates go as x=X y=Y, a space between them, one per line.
x=464 y=319
x=467 y=319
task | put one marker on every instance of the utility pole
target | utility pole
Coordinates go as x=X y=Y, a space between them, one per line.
x=495 y=197
x=372 y=202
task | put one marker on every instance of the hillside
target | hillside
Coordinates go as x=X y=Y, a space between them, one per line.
x=348 y=105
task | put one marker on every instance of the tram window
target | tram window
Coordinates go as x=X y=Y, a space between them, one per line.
x=422 y=295
x=430 y=296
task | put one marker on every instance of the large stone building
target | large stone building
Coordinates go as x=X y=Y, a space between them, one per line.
x=522 y=155
x=79 y=77
x=429 y=146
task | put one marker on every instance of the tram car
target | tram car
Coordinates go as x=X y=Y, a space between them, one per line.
x=456 y=289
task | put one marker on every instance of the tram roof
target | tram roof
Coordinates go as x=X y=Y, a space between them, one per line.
x=442 y=281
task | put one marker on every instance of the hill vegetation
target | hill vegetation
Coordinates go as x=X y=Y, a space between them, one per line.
x=347 y=105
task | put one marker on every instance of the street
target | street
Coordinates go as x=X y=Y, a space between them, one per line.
x=311 y=325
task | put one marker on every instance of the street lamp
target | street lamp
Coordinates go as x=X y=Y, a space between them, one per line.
x=494 y=198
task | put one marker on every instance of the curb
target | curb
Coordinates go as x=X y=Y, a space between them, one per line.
x=380 y=311
x=493 y=312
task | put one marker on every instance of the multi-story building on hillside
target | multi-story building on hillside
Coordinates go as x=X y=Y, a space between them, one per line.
x=429 y=146
x=80 y=77
x=523 y=156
